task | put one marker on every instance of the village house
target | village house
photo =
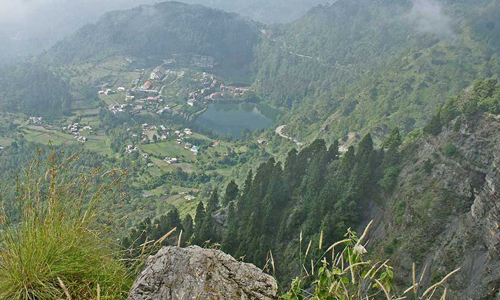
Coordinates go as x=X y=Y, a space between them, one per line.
x=147 y=85
x=145 y=155
x=82 y=139
x=121 y=89
x=35 y=120
x=158 y=73
x=195 y=150
x=191 y=102
x=170 y=160
x=131 y=149
x=189 y=197
x=188 y=131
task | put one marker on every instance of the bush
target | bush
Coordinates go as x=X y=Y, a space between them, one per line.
x=450 y=150
x=55 y=248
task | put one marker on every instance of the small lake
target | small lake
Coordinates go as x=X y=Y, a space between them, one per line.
x=234 y=118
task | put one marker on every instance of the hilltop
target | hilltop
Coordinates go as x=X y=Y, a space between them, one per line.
x=358 y=66
x=161 y=30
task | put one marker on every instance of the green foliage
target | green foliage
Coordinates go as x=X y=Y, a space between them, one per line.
x=367 y=65
x=483 y=96
x=450 y=150
x=393 y=140
x=231 y=194
x=434 y=126
x=58 y=246
x=162 y=30
x=35 y=90
x=347 y=274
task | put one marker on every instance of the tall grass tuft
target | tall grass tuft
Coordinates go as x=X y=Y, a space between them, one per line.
x=348 y=275
x=54 y=246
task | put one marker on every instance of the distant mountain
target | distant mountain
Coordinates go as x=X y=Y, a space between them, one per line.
x=162 y=29
x=355 y=66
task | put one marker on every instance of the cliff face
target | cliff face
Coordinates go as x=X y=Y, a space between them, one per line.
x=445 y=211
x=196 y=273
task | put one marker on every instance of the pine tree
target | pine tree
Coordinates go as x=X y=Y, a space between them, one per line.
x=187 y=225
x=393 y=140
x=232 y=193
x=198 y=222
x=230 y=240
x=333 y=151
x=213 y=202
x=434 y=126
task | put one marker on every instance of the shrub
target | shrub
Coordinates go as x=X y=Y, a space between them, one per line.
x=450 y=150
x=55 y=248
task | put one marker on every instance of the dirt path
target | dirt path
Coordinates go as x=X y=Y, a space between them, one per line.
x=279 y=131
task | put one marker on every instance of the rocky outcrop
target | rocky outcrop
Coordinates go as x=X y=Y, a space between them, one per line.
x=196 y=273
x=445 y=212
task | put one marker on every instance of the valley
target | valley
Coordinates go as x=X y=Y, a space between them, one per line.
x=180 y=125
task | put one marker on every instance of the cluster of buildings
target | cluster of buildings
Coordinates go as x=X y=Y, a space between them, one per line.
x=35 y=120
x=158 y=73
x=131 y=149
x=118 y=108
x=171 y=160
x=213 y=90
x=106 y=92
x=76 y=129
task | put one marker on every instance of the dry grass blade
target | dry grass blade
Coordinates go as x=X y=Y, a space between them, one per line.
x=444 y=294
x=364 y=234
x=379 y=268
x=179 y=240
x=66 y=292
x=413 y=276
x=321 y=240
x=308 y=247
x=272 y=261
x=357 y=264
x=336 y=244
x=163 y=238
x=383 y=289
x=98 y=292
x=440 y=282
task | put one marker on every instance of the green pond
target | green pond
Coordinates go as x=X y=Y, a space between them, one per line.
x=234 y=118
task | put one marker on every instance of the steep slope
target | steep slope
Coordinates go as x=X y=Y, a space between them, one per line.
x=365 y=65
x=162 y=29
x=445 y=211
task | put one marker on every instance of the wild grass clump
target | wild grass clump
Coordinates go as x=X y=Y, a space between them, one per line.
x=53 y=246
x=348 y=275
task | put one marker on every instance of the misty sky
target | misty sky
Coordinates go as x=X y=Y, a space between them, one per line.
x=42 y=21
x=29 y=26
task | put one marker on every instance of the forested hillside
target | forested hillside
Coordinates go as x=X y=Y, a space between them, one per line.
x=33 y=89
x=162 y=29
x=362 y=65
x=432 y=182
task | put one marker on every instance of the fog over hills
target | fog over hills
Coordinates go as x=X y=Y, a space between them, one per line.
x=29 y=26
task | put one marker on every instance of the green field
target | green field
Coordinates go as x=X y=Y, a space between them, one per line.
x=168 y=149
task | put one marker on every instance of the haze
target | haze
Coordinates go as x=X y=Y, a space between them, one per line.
x=29 y=26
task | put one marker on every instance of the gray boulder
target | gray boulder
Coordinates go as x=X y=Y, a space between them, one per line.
x=197 y=273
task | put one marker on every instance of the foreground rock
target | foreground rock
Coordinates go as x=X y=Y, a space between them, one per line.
x=196 y=273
